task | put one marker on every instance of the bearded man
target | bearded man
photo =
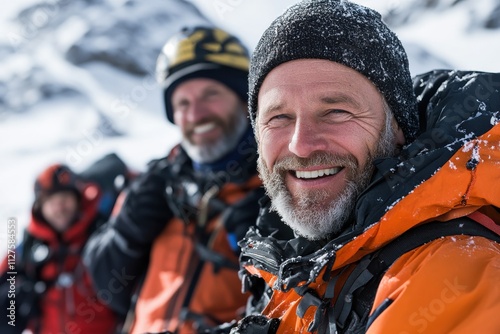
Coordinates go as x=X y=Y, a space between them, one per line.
x=390 y=185
x=168 y=259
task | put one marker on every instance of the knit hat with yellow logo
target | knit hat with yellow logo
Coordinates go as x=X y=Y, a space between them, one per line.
x=202 y=52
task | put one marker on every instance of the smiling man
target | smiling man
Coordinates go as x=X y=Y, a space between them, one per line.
x=320 y=126
x=173 y=243
x=211 y=117
x=386 y=182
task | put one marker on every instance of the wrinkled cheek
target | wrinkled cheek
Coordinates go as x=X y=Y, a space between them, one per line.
x=264 y=156
x=273 y=181
x=271 y=146
x=188 y=137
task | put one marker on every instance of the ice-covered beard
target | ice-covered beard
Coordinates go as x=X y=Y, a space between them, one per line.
x=307 y=213
x=208 y=152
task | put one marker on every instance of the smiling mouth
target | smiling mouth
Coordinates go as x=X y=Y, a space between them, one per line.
x=204 y=128
x=317 y=173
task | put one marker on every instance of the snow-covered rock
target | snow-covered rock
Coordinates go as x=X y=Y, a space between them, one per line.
x=126 y=35
x=132 y=38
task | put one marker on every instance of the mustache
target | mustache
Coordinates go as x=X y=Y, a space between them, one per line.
x=189 y=130
x=293 y=162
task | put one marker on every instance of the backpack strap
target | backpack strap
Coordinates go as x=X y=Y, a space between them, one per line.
x=356 y=297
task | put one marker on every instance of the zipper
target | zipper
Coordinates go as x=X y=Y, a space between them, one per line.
x=204 y=205
x=264 y=258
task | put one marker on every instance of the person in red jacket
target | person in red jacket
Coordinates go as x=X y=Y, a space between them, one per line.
x=54 y=292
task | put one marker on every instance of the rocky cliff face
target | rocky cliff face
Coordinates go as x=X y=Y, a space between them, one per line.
x=51 y=41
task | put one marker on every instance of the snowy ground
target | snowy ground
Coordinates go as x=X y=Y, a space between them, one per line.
x=64 y=129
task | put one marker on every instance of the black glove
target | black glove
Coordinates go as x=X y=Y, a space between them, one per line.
x=145 y=211
x=256 y=324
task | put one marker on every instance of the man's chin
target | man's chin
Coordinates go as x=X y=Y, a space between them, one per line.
x=312 y=222
x=206 y=152
x=307 y=233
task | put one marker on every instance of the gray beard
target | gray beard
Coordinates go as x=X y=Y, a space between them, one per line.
x=312 y=221
x=307 y=215
x=210 y=152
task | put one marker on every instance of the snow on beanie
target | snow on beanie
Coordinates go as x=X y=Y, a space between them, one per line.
x=345 y=33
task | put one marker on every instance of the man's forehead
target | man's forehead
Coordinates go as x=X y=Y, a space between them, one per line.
x=276 y=99
x=315 y=73
x=320 y=80
x=197 y=85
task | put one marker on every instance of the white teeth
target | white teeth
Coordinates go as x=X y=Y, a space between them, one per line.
x=316 y=173
x=204 y=128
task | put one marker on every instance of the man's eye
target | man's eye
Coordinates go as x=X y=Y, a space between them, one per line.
x=279 y=119
x=181 y=105
x=338 y=115
x=337 y=111
x=211 y=93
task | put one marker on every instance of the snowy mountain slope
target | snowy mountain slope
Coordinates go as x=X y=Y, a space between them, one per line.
x=465 y=33
x=436 y=33
x=50 y=41
x=77 y=81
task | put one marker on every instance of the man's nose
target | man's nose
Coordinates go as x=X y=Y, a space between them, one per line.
x=196 y=112
x=306 y=139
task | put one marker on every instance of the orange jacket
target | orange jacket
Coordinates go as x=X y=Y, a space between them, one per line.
x=169 y=256
x=176 y=270
x=449 y=285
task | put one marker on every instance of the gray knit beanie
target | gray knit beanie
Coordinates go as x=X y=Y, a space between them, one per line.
x=345 y=33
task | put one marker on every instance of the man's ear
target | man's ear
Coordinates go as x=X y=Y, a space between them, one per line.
x=398 y=133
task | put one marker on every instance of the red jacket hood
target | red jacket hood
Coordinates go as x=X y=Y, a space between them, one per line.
x=76 y=233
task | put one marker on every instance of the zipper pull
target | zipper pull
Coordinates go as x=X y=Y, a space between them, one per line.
x=204 y=205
